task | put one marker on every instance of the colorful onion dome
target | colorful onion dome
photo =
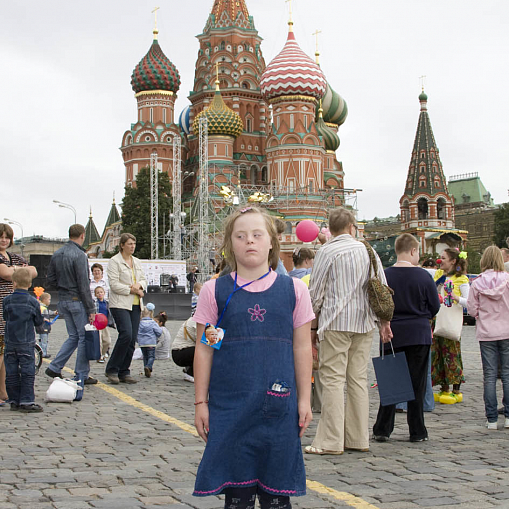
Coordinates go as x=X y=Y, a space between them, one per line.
x=423 y=96
x=220 y=118
x=329 y=136
x=334 y=107
x=292 y=72
x=184 y=120
x=155 y=71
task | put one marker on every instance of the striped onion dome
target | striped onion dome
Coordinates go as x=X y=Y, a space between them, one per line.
x=184 y=120
x=292 y=72
x=334 y=107
x=329 y=136
x=155 y=71
x=220 y=118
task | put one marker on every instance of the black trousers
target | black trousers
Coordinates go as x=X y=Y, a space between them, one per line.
x=244 y=498
x=184 y=358
x=417 y=357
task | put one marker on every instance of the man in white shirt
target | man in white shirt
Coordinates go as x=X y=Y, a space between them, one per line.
x=345 y=323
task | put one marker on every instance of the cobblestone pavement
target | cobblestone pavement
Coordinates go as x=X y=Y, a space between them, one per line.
x=133 y=446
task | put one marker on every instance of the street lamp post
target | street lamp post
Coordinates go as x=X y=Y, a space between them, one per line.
x=10 y=221
x=66 y=206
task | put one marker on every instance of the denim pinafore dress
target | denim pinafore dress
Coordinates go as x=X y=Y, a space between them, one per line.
x=254 y=425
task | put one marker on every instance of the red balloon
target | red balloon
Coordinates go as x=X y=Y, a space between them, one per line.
x=100 y=321
x=307 y=230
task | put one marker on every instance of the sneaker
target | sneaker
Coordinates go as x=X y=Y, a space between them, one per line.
x=14 y=407
x=107 y=354
x=128 y=380
x=148 y=372
x=101 y=360
x=380 y=438
x=53 y=374
x=188 y=378
x=425 y=439
x=113 y=378
x=34 y=407
x=492 y=425
x=90 y=381
x=506 y=422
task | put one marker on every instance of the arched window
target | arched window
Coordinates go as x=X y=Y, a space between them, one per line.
x=264 y=174
x=422 y=208
x=254 y=174
x=292 y=121
x=164 y=115
x=249 y=125
x=288 y=227
x=246 y=85
x=151 y=114
x=441 y=210
x=222 y=45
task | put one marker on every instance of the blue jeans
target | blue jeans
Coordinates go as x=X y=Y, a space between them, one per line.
x=20 y=373
x=43 y=340
x=429 y=401
x=75 y=320
x=127 y=323
x=149 y=356
x=491 y=353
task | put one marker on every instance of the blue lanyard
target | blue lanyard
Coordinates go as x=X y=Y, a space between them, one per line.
x=235 y=289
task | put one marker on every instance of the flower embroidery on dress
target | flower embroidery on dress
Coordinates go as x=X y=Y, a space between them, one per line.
x=257 y=313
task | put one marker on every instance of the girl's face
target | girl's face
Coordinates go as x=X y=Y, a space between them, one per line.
x=129 y=247
x=97 y=273
x=46 y=300
x=251 y=241
x=447 y=262
x=4 y=242
x=100 y=293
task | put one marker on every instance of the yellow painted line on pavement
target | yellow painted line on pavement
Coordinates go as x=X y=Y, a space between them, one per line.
x=347 y=498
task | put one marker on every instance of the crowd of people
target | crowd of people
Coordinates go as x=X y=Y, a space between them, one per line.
x=273 y=333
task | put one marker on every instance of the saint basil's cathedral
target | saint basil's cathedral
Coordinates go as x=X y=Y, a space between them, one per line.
x=272 y=130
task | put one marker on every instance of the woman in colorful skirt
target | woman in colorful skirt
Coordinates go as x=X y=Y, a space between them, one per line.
x=446 y=363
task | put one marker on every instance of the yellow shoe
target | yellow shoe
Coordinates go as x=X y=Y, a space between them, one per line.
x=436 y=396
x=447 y=398
x=458 y=396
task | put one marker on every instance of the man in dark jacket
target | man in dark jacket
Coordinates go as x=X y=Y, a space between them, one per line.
x=69 y=273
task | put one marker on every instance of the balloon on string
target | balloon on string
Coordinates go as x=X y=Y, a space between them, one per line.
x=307 y=230
x=100 y=321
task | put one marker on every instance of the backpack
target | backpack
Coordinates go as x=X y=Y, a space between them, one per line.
x=379 y=295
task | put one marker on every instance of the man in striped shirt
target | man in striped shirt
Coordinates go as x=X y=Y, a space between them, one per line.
x=344 y=324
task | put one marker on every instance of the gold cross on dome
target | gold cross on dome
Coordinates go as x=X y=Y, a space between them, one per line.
x=290 y=8
x=422 y=78
x=155 y=16
x=317 y=53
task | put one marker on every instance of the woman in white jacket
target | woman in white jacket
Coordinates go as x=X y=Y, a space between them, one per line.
x=127 y=285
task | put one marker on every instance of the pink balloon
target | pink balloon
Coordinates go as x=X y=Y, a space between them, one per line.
x=307 y=230
x=100 y=321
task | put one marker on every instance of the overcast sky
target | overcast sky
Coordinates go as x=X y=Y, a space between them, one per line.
x=67 y=100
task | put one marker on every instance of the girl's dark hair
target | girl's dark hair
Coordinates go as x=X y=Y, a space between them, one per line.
x=429 y=263
x=162 y=317
x=301 y=254
x=460 y=264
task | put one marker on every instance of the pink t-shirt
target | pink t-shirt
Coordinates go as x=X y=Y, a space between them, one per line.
x=207 y=312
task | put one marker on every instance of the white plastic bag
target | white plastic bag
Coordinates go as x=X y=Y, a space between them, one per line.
x=138 y=354
x=62 y=390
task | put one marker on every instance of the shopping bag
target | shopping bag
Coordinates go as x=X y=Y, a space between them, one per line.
x=92 y=343
x=393 y=378
x=449 y=322
x=62 y=391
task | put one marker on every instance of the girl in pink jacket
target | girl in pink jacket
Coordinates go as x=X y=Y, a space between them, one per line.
x=488 y=302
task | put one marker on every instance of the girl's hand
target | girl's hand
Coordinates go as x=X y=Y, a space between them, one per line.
x=305 y=417
x=455 y=298
x=201 y=420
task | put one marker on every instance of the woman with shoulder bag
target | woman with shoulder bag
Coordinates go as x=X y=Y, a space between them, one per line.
x=446 y=362
x=488 y=302
x=127 y=285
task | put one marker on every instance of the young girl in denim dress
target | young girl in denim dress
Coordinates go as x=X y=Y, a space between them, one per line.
x=253 y=392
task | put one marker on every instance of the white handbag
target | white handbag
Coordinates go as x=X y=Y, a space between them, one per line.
x=62 y=390
x=449 y=322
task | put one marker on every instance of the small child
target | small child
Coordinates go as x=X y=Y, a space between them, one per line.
x=103 y=307
x=148 y=333
x=164 y=342
x=194 y=299
x=44 y=329
x=21 y=312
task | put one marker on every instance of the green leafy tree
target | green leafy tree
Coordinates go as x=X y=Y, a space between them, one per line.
x=136 y=210
x=501 y=225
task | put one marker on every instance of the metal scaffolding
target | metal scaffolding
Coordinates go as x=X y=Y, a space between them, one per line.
x=177 y=199
x=154 y=207
x=203 y=200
